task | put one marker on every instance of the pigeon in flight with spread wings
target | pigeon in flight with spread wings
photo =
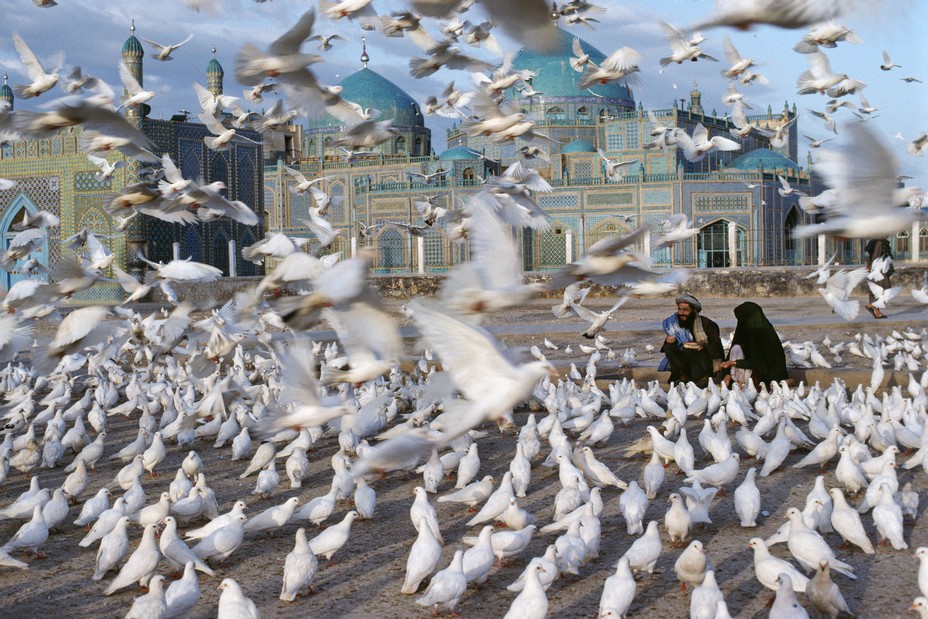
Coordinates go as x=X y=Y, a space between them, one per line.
x=41 y=81
x=163 y=52
x=869 y=205
x=491 y=384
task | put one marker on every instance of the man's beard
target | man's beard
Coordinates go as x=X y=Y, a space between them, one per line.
x=687 y=323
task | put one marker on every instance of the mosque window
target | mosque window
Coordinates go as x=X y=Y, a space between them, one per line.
x=902 y=244
x=221 y=253
x=400 y=144
x=712 y=245
x=615 y=141
x=468 y=174
x=923 y=241
x=434 y=246
x=417 y=147
x=583 y=113
x=555 y=113
x=391 y=250
x=337 y=205
x=632 y=134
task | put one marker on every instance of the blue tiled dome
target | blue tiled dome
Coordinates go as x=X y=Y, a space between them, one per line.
x=132 y=48
x=214 y=68
x=554 y=77
x=579 y=146
x=763 y=158
x=370 y=89
x=6 y=93
x=459 y=152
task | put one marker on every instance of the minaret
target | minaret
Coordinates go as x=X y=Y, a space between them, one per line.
x=364 y=57
x=132 y=54
x=214 y=75
x=6 y=94
x=695 y=100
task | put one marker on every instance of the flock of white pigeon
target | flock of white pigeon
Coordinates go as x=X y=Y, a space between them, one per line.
x=243 y=374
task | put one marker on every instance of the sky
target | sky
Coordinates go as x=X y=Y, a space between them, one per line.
x=90 y=34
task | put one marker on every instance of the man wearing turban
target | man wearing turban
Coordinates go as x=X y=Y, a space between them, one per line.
x=692 y=346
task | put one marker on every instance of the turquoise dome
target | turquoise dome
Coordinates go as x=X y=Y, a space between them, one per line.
x=554 y=77
x=214 y=68
x=132 y=48
x=459 y=152
x=6 y=93
x=579 y=146
x=370 y=89
x=763 y=158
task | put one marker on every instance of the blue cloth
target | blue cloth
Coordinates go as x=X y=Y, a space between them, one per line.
x=671 y=326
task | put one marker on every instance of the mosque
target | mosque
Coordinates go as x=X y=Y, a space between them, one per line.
x=731 y=197
x=54 y=175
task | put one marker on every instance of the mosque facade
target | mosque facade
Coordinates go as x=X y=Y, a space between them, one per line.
x=54 y=175
x=730 y=196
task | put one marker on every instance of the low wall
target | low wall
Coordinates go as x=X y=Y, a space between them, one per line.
x=711 y=283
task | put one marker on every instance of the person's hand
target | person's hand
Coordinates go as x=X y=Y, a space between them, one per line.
x=670 y=339
x=700 y=345
x=728 y=364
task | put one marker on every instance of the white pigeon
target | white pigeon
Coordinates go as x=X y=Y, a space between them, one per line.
x=332 y=539
x=690 y=566
x=619 y=589
x=140 y=566
x=175 y=551
x=532 y=602
x=824 y=594
x=234 y=603
x=152 y=604
x=747 y=500
x=887 y=516
x=846 y=522
x=182 y=595
x=864 y=174
x=113 y=547
x=424 y=556
x=223 y=541
x=644 y=551
x=447 y=586
x=30 y=535
x=768 y=568
x=808 y=547
x=634 y=505
x=785 y=604
x=300 y=568
x=41 y=81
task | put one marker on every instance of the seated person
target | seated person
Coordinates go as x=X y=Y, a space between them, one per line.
x=756 y=351
x=692 y=346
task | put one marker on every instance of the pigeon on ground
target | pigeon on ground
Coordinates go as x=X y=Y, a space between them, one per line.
x=300 y=568
x=234 y=603
x=141 y=564
x=424 y=557
x=332 y=539
x=152 y=604
x=447 y=586
x=182 y=594
x=824 y=594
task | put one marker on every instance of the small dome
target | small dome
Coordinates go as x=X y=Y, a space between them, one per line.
x=368 y=88
x=6 y=93
x=579 y=146
x=132 y=48
x=459 y=152
x=763 y=158
x=214 y=68
x=554 y=77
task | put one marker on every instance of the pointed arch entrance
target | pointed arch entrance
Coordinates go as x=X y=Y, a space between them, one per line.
x=15 y=213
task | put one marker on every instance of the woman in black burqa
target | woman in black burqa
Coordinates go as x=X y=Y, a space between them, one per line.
x=758 y=347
